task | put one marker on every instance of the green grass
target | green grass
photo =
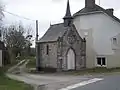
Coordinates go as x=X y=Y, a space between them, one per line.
x=93 y=71
x=9 y=84
x=32 y=62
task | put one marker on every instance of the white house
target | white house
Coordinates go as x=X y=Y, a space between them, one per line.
x=102 y=32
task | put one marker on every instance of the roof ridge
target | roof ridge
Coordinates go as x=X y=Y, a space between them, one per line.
x=97 y=8
x=56 y=24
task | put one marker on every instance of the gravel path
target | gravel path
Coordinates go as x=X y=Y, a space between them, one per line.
x=43 y=81
x=48 y=81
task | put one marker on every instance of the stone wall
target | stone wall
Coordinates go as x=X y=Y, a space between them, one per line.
x=50 y=59
x=57 y=56
x=78 y=47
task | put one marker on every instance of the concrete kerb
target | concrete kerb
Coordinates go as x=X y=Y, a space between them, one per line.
x=40 y=87
x=19 y=68
x=35 y=86
x=14 y=67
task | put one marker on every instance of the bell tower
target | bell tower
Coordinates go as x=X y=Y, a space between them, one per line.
x=68 y=18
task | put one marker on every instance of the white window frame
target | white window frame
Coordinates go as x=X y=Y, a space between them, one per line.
x=101 y=62
x=114 y=41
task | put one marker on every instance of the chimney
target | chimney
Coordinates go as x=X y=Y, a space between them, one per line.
x=110 y=11
x=89 y=3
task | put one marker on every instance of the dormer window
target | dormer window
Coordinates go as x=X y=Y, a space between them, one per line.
x=114 y=40
x=85 y=33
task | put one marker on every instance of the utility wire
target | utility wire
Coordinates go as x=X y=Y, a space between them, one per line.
x=22 y=17
x=19 y=16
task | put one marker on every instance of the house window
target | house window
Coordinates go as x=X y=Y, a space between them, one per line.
x=101 y=61
x=114 y=40
x=86 y=33
x=47 y=50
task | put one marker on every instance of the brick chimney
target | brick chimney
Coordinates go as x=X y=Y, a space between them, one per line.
x=89 y=3
x=110 y=11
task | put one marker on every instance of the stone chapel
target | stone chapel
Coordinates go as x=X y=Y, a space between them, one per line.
x=61 y=48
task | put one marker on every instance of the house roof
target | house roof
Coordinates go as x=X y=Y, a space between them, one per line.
x=96 y=8
x=55 y=31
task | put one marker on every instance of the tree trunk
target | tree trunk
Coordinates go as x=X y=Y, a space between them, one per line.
x=12 y=56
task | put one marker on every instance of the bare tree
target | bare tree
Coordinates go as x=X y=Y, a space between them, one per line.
x=1 y=17
x=1 y=10
x=16 y=40
x=29 y=36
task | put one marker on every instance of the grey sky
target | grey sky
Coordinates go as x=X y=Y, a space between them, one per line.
x=47 y=11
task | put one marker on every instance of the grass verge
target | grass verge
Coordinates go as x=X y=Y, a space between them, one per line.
x=100 y=70
x=31 y=63
x=9 y=84
x=94 y=71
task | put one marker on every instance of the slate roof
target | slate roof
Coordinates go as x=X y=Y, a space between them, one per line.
x=96 y=8
x=55 y=31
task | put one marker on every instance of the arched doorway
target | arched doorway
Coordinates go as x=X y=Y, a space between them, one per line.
x=70 y=60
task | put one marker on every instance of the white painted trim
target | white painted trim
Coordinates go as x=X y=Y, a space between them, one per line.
x=96 y=65
x=71 y=61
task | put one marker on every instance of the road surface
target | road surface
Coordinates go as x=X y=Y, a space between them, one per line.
x=111 y=82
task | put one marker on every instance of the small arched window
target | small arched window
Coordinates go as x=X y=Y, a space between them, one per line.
x=47 y=49
x=114 y=40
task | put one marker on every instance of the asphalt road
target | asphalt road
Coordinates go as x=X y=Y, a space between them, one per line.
x=108 y=83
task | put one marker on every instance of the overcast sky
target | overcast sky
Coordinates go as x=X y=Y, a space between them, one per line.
x=47 y=11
